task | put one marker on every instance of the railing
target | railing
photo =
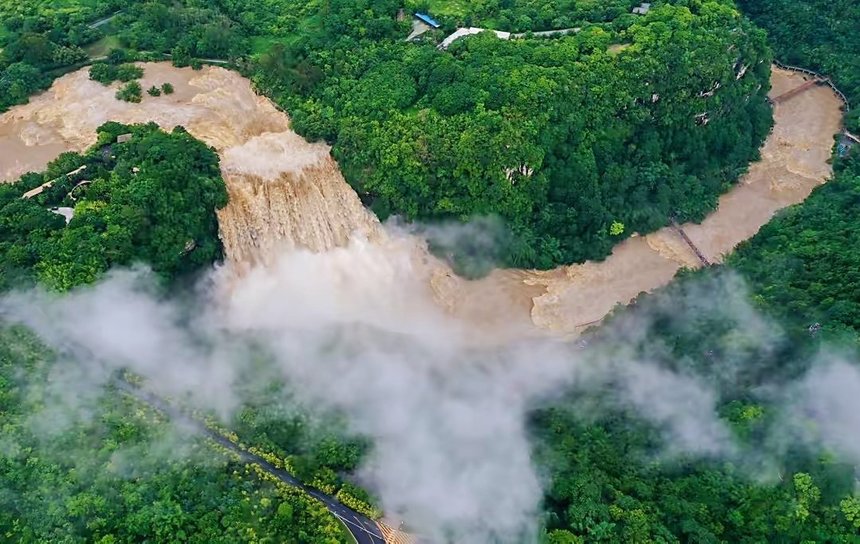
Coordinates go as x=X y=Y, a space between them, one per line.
x=824 y=79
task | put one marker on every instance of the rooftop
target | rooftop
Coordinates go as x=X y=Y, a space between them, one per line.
x=642 y=9
x=427 y=19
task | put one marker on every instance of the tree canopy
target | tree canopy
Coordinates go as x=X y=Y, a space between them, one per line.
x=817 y=34
x=151 y=199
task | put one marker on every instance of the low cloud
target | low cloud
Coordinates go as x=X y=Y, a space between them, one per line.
x=355 y=331
x=823 y=408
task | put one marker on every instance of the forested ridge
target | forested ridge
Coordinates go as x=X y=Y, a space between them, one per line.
x=818 y=34
x=575 y=142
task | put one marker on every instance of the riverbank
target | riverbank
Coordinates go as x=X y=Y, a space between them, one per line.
x=794 y=160
x=288 y=194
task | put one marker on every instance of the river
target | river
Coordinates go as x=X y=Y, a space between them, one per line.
x=287 y=194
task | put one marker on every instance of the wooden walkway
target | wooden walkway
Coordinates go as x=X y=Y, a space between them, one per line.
x=797 y=90
x=47 y=185
x=699 y=254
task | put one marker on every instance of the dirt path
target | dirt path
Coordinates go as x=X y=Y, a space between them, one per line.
x=288 y=193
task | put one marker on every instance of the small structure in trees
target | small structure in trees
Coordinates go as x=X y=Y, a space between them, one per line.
x=642 y=9
x=422 y=23
x=38 y=190
x=846 y=142
x=523 y=170
x=426 y=19
x=66 y=212
x=71 y=193
x=190 y=246
x=123 y=138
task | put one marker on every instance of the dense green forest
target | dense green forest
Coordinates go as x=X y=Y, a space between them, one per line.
x=575 y=142
x=150 y=199
x=432 y=135
x=818 y=34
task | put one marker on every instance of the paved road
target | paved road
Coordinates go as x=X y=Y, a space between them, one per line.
x=365 y=530
x=104 y=21
x=471 y=31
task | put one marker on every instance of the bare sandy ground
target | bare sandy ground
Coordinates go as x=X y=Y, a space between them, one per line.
x=288 y=194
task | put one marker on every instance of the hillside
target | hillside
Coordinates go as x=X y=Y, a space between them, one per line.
x=818 y=34
x=700 y=384
x=575 y=142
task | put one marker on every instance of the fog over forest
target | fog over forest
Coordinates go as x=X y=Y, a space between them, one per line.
x=352 y=332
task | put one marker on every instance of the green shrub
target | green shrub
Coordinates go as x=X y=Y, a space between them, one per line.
x=117 y=56
x=103 y=73
x=130 y=92
x=128 y=72
x=106 y=73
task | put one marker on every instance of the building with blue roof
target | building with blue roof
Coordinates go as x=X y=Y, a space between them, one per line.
x=424 y=18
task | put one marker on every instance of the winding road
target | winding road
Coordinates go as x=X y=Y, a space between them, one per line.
x=362 y=528
x=104 y=21
x=471 y=31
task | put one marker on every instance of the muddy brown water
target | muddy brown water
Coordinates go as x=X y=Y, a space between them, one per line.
x=287 y=193
x=284 y=191
x=794 y=160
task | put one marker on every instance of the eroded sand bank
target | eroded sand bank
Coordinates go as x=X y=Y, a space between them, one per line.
x=288 y=193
